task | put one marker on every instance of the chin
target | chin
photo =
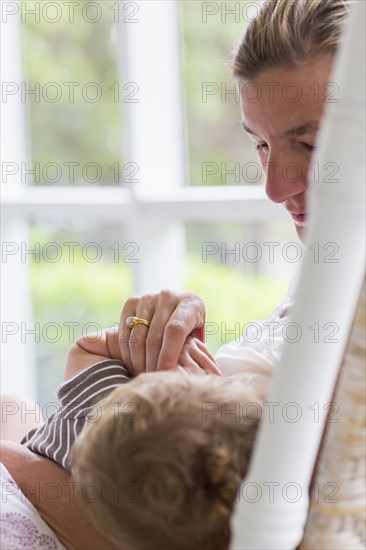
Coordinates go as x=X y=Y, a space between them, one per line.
x=300 y=230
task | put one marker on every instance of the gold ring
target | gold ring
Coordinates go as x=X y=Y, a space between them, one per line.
x=131 y=322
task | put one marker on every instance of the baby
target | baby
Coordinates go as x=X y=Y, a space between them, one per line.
x=158 y=461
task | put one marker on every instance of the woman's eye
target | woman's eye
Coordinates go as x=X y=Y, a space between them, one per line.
x=308 y=147
x=261 y=146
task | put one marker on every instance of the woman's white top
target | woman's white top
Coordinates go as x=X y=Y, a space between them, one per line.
x=254 y=357
x=21 y=525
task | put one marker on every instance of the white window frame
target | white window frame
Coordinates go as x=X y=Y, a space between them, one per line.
x=153 y=210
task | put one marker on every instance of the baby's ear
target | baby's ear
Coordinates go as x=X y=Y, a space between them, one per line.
x=217 y=463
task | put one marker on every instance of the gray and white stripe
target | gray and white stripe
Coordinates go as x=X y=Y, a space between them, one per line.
x=77 y=397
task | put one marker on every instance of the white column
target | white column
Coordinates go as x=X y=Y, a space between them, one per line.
x=154 y=137
x=325 y=301
x=18 y=372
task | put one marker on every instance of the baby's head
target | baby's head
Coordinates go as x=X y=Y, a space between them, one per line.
x=165 y=460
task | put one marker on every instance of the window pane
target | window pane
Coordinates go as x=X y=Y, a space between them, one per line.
x=80 y=278
x=72 y=92
x=219 y=152
x=241 y=271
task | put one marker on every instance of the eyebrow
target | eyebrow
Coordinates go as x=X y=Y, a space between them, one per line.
x=307 y=128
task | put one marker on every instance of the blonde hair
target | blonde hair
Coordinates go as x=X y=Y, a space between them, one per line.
x=286 y=33
x=166 y=457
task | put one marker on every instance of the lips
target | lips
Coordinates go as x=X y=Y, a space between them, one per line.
x=299 y=218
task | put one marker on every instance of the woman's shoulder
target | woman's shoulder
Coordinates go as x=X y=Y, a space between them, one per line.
x=22 y=526
x=52 y=492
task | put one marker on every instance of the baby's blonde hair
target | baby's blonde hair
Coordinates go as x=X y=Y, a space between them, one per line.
x=166 y=458
x=286 y=33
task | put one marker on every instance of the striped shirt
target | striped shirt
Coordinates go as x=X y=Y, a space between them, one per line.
x=79 y=399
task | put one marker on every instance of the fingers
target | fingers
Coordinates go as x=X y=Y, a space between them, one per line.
x=196 y=356
x=165 y=304
x=200 y=333
x=172 y=317
x=189 y=314
x=208 y=365
x=133 y=342
x=128 y=310
x=205 y=350
x=112 y=345
x=138 y=336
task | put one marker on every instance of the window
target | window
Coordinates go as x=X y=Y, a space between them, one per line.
x=80 y=275
x=218 y=151
x=129 y=198
x=72 y=92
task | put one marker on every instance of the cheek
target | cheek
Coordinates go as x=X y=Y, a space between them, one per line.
x=297 y=162
x=310 y=169
x=295 y=171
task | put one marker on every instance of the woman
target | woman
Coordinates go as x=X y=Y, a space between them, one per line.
x=283 y=67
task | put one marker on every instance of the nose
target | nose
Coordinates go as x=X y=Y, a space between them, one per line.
x=285 y=178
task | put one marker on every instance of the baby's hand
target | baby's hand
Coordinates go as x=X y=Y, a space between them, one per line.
x=196 y=358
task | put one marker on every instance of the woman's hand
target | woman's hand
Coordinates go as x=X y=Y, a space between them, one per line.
x=195 y=358
x=173 y=316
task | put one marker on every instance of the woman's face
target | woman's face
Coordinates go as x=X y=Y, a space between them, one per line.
x=281 y=112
